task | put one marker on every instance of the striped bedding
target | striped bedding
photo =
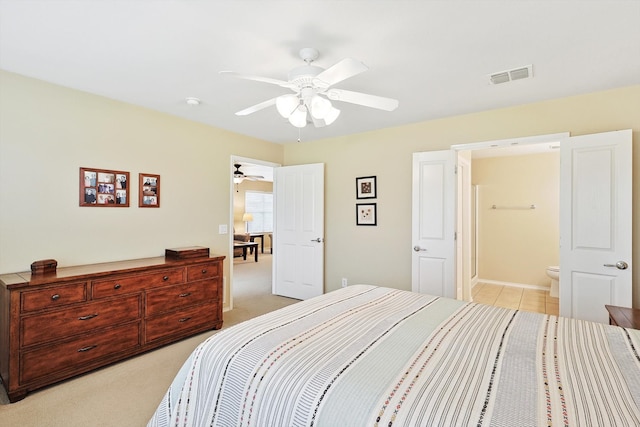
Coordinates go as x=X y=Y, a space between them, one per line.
x=373 y=356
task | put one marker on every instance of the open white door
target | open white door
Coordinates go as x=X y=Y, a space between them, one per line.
x=595 y=224
x=299 y=237
x=433 y=223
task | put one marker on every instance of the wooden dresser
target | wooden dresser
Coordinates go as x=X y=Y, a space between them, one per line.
x=57 y=325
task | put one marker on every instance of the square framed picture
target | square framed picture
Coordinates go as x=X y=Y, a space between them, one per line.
x=104 y=188
x=366 y=214
x=366 y=187
x=149 y=190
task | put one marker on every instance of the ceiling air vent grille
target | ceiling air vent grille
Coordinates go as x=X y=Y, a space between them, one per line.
x=519 y=73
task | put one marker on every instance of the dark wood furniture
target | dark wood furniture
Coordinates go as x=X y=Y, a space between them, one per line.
x=244 y=246
x=624 y=316
x=57 y=325
x=253 y=236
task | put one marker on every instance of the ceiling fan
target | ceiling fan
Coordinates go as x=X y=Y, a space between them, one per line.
x=313 y=92
x=239 y=176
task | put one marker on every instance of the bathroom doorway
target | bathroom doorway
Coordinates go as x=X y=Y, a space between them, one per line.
x=509 y=223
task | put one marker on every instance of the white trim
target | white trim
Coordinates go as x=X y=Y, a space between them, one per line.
x=514 y=285
x=511 y=141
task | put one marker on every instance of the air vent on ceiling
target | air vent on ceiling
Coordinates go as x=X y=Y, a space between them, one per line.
x=519 y=73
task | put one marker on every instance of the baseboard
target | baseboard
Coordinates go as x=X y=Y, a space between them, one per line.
x=512 y=284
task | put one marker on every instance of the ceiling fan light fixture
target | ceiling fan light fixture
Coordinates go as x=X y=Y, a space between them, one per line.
x=299 y=117
x=286 y=104
x=331 y=115
x=320 y=107
x=237 y=179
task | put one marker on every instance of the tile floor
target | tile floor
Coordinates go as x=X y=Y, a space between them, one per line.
x=516 y=298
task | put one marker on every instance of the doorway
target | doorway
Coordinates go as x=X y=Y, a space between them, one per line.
x=510 y=216
x=251 y=218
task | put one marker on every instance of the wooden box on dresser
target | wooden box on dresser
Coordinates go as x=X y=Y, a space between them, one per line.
x=58 y=325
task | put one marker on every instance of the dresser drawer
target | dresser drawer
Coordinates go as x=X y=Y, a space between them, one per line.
x=130 y=284
x=173 y=297
x=52 y=297
x=203 y=271
x=77 y=320
x=51 y=360
x=177 y=322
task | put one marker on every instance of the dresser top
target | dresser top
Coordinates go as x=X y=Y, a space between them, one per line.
x=83 y=272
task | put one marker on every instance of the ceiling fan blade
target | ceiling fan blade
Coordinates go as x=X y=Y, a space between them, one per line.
x=259 y=79
x=373 y=101
x=340 y=71
x=257 y=107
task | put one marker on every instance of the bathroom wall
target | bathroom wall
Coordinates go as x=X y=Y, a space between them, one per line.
x=516 y=245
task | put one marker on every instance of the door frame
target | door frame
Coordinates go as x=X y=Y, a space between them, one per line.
x=235 y=159
x=461 y=150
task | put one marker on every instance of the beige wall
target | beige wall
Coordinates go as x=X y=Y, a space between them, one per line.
x=382 y=255
x=517 y=245
x=48 y=132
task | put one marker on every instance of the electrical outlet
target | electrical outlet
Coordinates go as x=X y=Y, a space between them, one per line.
x=344 y=282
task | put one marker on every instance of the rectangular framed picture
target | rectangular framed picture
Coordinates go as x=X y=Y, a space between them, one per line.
x=104 y=188
x=366 y=214
x=366 y=187
x=149 y=190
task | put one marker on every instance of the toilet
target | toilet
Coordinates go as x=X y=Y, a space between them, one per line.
x=553 y=272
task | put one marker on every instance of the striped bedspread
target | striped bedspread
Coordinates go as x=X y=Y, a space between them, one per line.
x=372 y=356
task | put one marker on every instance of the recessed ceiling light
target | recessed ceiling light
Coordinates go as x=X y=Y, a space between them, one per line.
x=192 y=101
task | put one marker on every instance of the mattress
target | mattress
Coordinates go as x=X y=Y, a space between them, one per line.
x=374 y=356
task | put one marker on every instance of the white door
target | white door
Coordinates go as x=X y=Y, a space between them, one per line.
x=299 y=236
x=595 y=224
x=433 y=223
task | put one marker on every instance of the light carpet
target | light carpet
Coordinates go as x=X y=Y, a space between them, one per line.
x=127 y=393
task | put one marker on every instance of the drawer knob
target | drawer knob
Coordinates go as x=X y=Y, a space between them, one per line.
x=184 y=319
x=87 y=348
x=88 y=316
x=184 y=295
x=165 y=278
x=55 y=297
x=117 y=286
x=204 y=271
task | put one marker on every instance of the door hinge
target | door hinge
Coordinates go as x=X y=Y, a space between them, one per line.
x=455 y=169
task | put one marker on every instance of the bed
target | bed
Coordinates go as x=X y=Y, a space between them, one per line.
x=373 y=356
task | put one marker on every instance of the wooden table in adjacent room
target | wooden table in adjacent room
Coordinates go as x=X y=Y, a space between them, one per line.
x=252 y=237
x=244 y=245
x=624 y=316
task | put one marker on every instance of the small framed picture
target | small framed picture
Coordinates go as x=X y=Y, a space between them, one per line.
x=103 y=188
x=366 y=214
x=366 y=187
x=149 y=193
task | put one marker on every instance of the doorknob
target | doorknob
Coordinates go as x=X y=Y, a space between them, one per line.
x=319 y=240
x=418 y=249
x=620 y=265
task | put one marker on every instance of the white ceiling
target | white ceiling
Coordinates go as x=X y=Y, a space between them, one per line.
x=433 y=56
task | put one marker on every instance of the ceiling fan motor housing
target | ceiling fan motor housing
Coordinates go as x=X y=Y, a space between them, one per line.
x=303 y=76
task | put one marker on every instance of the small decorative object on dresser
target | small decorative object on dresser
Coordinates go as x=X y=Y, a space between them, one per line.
x=56 y=325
